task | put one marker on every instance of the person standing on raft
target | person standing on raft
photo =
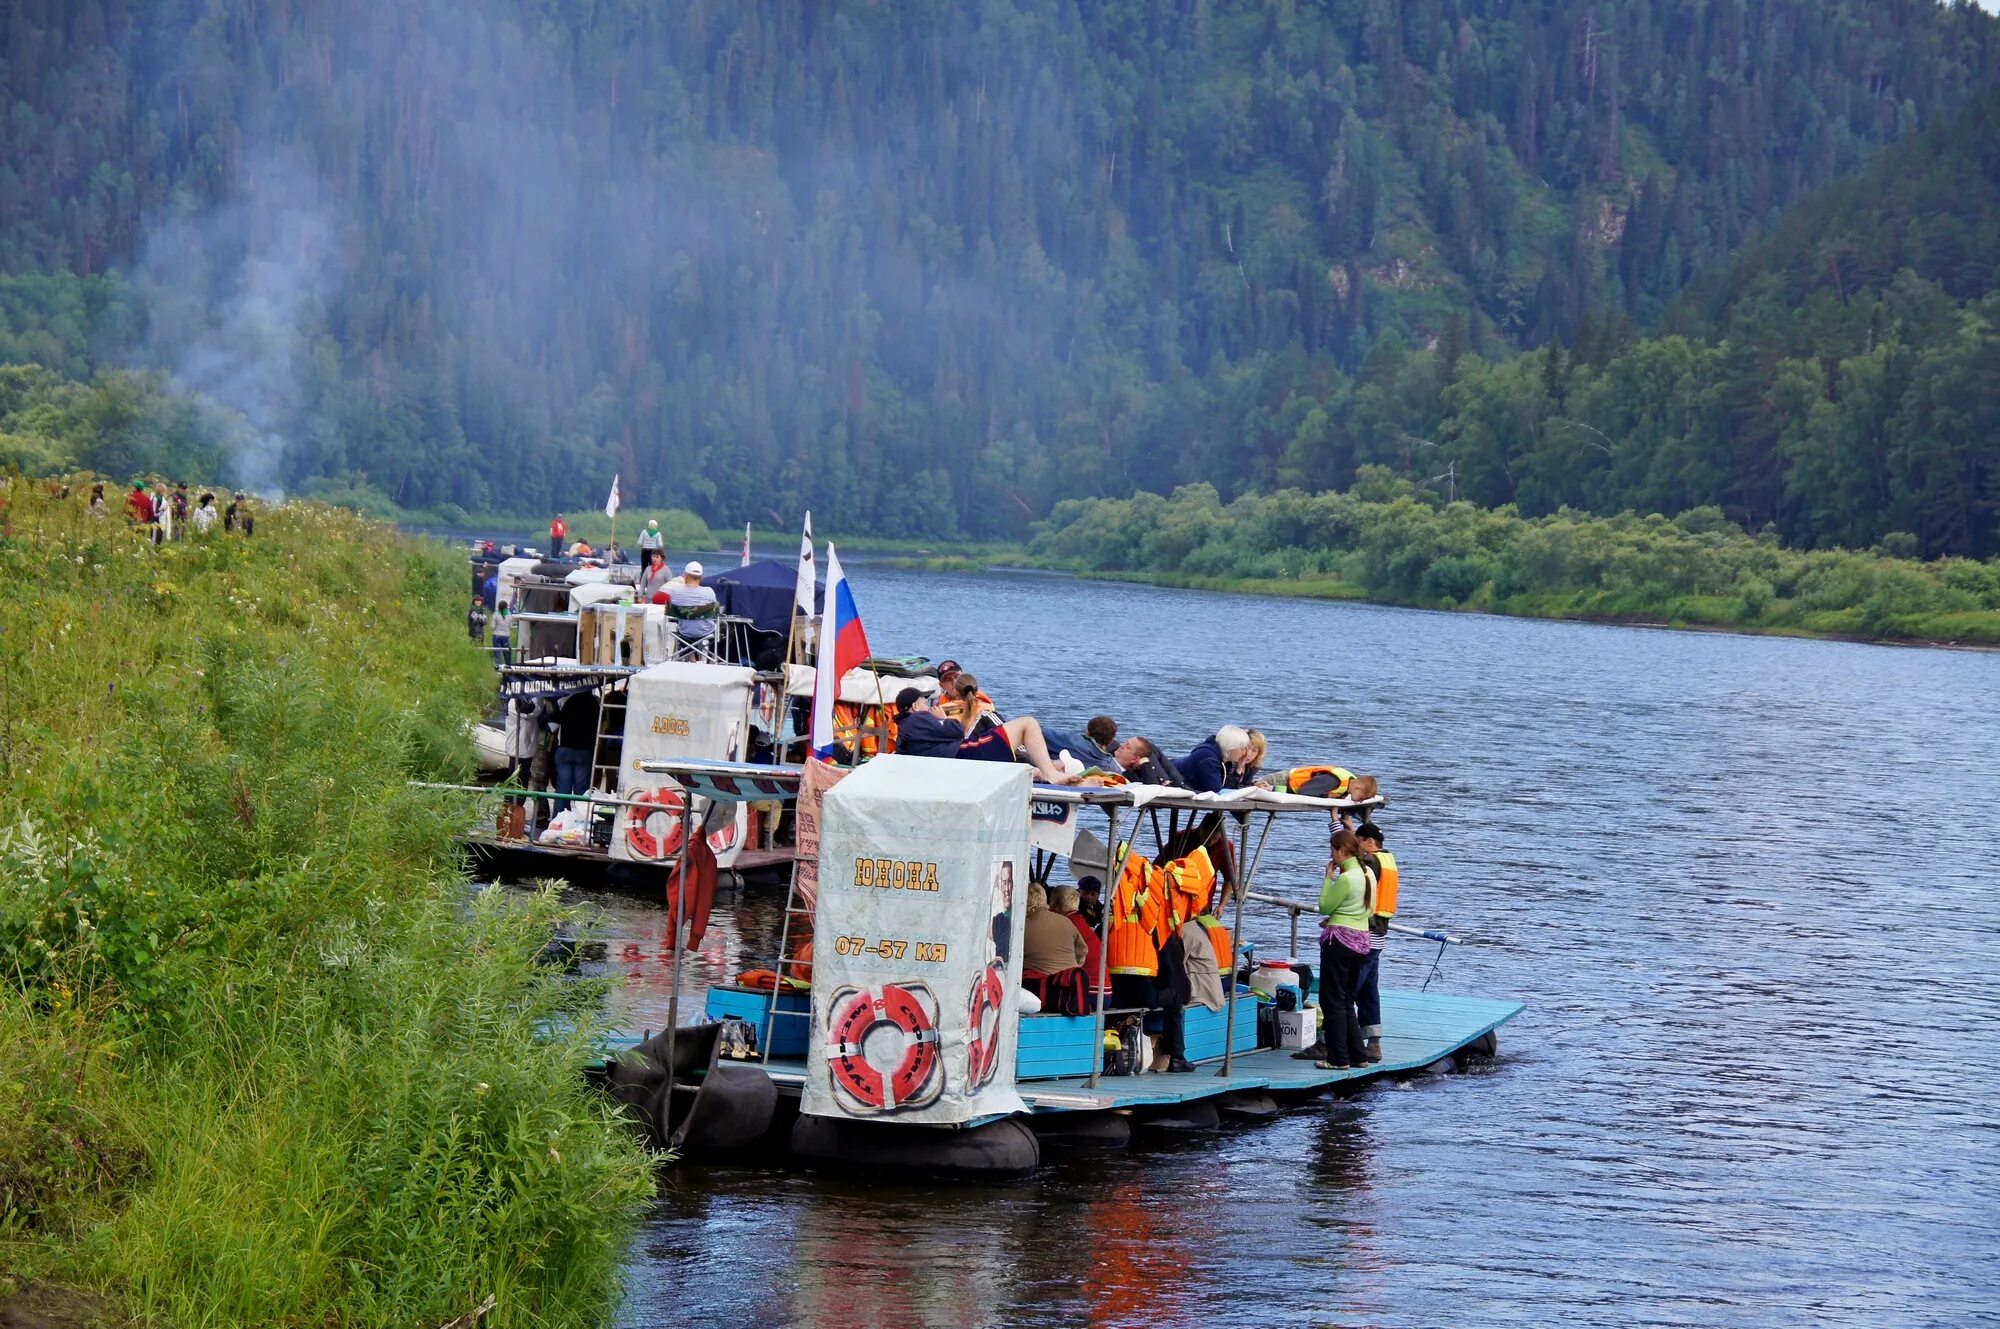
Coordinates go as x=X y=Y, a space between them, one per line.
x=1343 y=949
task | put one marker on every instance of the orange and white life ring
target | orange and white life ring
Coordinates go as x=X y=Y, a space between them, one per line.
x=723 y=838
x=859 y=1013
x=982 y=1027
x=639 y=836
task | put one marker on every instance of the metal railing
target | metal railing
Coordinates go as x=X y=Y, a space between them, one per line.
x=1298 y=907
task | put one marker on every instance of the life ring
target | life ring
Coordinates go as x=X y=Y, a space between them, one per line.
x=982 y=1027
x=639 y=835
x=859 y=1013
x=723 y=838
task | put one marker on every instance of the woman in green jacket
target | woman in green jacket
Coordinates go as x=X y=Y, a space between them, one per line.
x=1343 y=949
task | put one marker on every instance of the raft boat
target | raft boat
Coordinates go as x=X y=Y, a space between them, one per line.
x=897 y=1040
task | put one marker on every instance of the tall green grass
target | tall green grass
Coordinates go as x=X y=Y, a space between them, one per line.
x=263 y=1059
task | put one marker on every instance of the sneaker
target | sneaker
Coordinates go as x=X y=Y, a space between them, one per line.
x=1371 y=1051
x=1313 y=1053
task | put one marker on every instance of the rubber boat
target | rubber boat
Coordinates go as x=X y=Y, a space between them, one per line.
x=898 y=1040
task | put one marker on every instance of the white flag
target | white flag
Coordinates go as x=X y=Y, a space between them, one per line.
x=803 y=594
x=611 y=504
x=746 y=544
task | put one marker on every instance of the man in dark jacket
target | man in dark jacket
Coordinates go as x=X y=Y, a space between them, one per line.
x=1144 y=763
x=576 y=741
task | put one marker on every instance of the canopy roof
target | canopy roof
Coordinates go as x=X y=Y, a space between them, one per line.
x=735 y=781
x=762 y=591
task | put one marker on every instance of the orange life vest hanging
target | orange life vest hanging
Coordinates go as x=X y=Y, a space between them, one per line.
x=1137 y=913
x=1190 y=887
x=862 y=727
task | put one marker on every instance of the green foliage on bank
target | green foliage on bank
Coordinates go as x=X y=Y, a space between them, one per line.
x=263 y=1061
x=1390 y=542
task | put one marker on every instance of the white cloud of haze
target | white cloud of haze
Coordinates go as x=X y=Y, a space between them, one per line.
x=227 y=287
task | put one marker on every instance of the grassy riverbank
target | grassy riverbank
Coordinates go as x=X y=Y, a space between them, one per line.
x=260 y=1061
x=1387 y=543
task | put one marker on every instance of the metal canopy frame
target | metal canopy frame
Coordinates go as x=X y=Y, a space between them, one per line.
x=780 y=783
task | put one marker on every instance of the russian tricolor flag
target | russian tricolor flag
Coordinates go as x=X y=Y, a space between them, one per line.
x=842 y=646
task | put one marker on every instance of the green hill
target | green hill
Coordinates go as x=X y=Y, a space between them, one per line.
x=927 y=268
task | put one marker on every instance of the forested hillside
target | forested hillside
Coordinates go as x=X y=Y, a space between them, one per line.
x=925 y=267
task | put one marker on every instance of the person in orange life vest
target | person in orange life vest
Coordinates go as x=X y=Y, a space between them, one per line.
x=1368 y=992
x=952 y=701
x=923 y=731
x=1067 y=901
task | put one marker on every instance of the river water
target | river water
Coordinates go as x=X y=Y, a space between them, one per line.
x=1745 y=886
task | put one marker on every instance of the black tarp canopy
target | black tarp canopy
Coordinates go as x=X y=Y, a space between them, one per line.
x=762 y=591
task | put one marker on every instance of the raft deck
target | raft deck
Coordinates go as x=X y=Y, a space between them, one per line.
x=1419 y=1028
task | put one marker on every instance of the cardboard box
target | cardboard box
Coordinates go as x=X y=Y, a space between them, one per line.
x=1298 y=1029
x=598 y=641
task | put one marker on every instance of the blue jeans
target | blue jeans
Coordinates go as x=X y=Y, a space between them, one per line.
x=1368 y=997
x=572 y=770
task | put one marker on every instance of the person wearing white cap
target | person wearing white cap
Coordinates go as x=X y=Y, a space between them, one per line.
x=692 y=605
x=650 y=539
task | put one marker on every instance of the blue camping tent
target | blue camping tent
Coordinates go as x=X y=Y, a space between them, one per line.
x=762 y=592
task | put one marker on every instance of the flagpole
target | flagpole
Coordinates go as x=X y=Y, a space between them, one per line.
x=793 y=634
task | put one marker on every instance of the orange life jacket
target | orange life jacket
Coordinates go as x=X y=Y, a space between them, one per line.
x=1385 y=885
x=1190 y=887
x=1319 y=781
x=1138 y=911
x=860 y=728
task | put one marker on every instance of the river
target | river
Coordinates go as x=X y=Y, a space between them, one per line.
x=1745 y=886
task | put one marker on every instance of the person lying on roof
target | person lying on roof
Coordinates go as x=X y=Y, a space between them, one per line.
x=1144 y=763
x=1219 y=761
x=922 y=731
x=1092 y=747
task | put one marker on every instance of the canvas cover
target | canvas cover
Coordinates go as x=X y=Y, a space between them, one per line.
x=685 y=710
x=511 y=571
x=923 y=876
x=863 y=687
x=599 y=593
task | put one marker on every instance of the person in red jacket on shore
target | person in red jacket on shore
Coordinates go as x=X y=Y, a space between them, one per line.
x=139 y=506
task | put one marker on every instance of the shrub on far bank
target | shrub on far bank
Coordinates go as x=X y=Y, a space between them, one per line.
x=1396 y=543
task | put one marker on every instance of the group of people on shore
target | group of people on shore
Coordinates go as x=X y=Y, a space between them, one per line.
x=176 y=515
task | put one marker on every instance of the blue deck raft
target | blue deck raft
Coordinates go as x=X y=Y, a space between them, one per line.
x=1419 y=1028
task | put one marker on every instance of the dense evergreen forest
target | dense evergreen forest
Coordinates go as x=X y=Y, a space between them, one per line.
x=930 y=268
